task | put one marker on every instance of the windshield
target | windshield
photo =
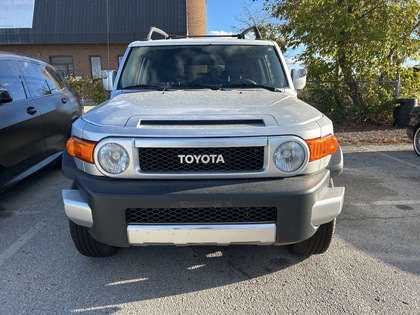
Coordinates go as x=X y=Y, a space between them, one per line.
x=202 y=66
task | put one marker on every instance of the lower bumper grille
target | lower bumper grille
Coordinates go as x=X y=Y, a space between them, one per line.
x=201 y=215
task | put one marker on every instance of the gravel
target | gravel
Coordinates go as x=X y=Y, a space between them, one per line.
x=368 y=133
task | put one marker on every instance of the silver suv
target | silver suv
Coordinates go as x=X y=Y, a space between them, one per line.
x=203 y=141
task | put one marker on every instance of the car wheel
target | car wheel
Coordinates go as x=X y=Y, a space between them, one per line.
x=87 y=245
x=416 y=141
x=318 y=243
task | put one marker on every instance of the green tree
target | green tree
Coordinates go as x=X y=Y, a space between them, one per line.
x=352 y=42
x=263 y=20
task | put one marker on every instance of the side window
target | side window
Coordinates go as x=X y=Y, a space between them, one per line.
x=56 y=77
x=54 y=81
x=34 y=79
x=10 y=80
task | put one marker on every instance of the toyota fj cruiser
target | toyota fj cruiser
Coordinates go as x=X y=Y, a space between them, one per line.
x=202 y=142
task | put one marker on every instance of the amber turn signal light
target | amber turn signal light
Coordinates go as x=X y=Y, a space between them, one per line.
x=81 y=149
x=322 y=147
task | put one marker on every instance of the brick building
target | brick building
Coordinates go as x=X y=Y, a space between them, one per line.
x=80 y=38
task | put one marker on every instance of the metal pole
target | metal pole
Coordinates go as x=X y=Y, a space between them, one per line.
x=398 y=89
x=107 y=31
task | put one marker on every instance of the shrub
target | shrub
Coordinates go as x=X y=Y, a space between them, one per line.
x=88 y=89
x=329 y=99
x=376 y=106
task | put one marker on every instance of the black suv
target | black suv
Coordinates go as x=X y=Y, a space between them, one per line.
x=37 y=109
x=413 y=128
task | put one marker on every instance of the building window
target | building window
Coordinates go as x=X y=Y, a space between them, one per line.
x=95 y=63
x=64 y=65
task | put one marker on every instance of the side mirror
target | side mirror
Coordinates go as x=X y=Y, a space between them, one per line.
x=108 y=78
x=5 y=96
x=299 y=78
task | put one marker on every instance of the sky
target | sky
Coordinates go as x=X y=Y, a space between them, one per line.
x=223 y=14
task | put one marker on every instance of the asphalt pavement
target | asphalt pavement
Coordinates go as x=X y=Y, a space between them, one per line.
x=372 y=267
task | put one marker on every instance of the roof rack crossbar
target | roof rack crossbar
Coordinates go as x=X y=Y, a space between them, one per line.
x=203 y=36
x=252 y=29
x=157 y=31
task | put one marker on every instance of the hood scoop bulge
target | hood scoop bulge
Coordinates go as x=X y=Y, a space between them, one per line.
x=202 y=125
x=174 y=123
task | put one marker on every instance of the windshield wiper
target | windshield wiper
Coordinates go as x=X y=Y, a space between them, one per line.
x=250 y=85
x=214 y=87
x=146 y=86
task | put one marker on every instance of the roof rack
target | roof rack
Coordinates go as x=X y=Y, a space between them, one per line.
x=157 y=31
x=252 y=29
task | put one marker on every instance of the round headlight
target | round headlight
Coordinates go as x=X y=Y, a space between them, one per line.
x=289 y=156
x=113 y=158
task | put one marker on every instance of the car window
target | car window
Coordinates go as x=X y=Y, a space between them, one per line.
x=55 y=82
x=206 y=64
x=10 y=80
x=34 y=79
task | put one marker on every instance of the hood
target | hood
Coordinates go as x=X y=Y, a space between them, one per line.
x=204 y=112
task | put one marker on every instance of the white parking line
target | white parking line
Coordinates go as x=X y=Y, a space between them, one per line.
x=396 y=159
x=387 y=203
x=12 y=249
x=20 y=212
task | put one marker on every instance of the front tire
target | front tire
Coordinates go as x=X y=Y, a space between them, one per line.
x=416 y=141
x=320 y=241
x=87 y=245
x=317 y=243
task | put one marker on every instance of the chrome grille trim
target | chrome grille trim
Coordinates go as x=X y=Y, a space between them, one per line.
x=268 y=170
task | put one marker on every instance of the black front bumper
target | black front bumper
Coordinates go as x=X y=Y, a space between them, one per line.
x=108 y=199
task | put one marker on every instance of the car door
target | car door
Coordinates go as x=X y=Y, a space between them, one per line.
x=21 y=135
x=58 y=117
x=52 y=104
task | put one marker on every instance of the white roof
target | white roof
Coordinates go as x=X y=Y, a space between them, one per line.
x=202 y=41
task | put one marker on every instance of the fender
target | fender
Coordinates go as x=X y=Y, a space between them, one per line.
x=336 y=164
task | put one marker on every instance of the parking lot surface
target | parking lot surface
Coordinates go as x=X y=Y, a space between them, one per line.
x=372 y=267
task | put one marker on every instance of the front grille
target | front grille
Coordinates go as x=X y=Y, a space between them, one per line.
x=235 y=159
x=201 y=215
